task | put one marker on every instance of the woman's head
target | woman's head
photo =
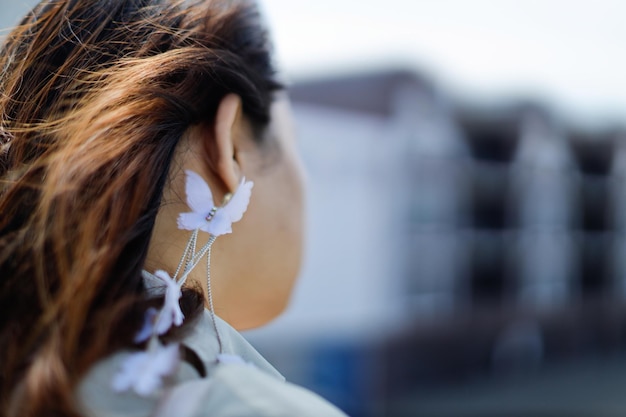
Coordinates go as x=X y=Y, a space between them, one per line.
x=104 y=104
x=253 y=268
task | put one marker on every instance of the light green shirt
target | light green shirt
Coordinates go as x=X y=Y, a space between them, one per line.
x=251 y=389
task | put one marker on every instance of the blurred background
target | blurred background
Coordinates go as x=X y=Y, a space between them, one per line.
x=466 y=249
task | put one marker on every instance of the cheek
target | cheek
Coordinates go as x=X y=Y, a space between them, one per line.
x=287 y=215
x=283 y=207
x=291 y=222
x=268 y=247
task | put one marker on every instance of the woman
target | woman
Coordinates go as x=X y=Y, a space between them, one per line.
x=133 y=133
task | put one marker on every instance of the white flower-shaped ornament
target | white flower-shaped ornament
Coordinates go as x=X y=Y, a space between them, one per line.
x=171 y=314
x=143 y=372
x=205 y=215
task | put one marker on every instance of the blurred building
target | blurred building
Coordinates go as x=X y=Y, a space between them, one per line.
x=448 y=243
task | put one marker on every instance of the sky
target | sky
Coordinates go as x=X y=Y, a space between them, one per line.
x=566 y=53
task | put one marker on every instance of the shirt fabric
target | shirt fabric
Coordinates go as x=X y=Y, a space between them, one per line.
x=250 y=388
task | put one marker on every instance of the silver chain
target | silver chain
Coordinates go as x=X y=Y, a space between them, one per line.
x=210 y=293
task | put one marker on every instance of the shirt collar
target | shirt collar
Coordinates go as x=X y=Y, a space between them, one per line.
x=202 y=337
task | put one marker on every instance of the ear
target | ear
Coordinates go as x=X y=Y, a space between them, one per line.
x=222 y=149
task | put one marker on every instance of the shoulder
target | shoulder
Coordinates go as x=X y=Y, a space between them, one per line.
x=233 y=390
x=247 y=387
x=243 y=391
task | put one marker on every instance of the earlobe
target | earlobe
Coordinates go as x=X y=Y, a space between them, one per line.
x=226 y=129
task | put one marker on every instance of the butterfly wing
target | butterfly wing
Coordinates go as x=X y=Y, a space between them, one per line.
x=199 y=199
x=238 y=205
x=221 y=223
x=190 y=220
x=126 y=376
x=199 y=196
x=170 y=314
x=148 y=326
x=164 y=277
x=149 y=369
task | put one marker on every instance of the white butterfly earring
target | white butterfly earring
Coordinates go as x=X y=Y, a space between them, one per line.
x=205 y=215
x=143 y=371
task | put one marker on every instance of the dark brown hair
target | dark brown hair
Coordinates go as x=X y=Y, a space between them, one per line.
x=94 y=97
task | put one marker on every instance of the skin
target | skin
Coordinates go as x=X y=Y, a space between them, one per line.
x=253 y=270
